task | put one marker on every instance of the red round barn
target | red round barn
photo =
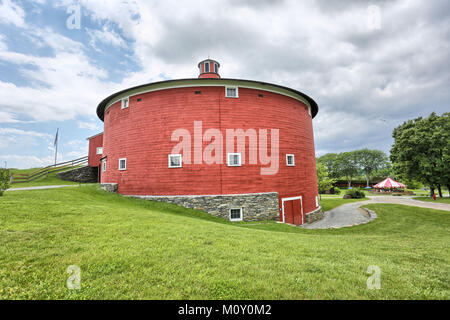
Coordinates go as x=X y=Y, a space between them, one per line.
x=238 y=149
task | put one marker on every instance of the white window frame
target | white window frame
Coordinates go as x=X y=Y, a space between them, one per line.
x=176 y=155
x=231 y=87
x=234 y=165
x=238 y=219
x=125 y=168
x=104 y=165
x=99 y=150
x=209 y=67
x=293 y=160
x=216 y=68
x=127 y=104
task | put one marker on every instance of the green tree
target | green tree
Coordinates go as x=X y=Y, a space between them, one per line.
x=348 y=166
x=4 y=180
x=369 y=161
x=421 y=150
x=331 y=161
x=324 y=182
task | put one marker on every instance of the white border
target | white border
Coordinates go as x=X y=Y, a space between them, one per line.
x=176 y=155
x=123 y=169
x=233 y=154
x=232 y=87
x=242 y=214
x=293 y=157
x=289 y=199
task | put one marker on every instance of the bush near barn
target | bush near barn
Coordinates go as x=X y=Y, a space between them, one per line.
x=355 y=194
x=5 y=177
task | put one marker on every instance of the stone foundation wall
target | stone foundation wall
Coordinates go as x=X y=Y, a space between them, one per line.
x=314 y=215
x=84 y=174
x=110 y=187
x=255 y=207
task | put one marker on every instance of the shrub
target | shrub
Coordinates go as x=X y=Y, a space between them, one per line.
x=4 y=180
x=336 y=190
x=355 y=193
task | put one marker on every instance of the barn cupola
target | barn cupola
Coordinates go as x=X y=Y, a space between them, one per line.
x=209 y=69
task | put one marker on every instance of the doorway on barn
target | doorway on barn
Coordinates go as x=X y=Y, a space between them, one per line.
x=292 y=210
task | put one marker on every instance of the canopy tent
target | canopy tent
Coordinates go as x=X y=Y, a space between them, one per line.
x=389 y=183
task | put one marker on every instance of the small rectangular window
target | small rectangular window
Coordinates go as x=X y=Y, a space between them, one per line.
x=231 y=92
x=125 y=102
x=290 y=160
x=216 y=68
x=234 y=159
x=99 y=150
x=198 y=92
x=123 y=164
x=206 y=67
x=236 y=214
x=175 y=161
x=104 y=165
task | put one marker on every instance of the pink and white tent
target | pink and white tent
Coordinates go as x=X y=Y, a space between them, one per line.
x=389 y=184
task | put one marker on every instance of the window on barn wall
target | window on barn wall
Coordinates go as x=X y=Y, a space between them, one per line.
x=216 y=68
x=99 y=150
x=123 y=164
x=125 y=102
x=290 y=160
x=236 y=214
x=231 y=92
x=206 y=67
x=104 y=165
x=175 y=161
x=234 y=159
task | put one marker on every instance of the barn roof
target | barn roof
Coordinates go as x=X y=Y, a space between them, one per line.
x=193 y=82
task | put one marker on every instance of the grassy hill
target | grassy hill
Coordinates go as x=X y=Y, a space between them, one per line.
x=137 y=249
x=51 y=179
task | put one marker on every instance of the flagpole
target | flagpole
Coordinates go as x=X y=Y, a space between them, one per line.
x=56 y=145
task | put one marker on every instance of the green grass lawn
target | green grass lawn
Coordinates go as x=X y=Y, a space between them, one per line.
x=328 y=203
x=430 y=199
x=136 y=249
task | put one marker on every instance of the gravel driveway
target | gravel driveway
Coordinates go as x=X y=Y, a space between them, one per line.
x=351 y=214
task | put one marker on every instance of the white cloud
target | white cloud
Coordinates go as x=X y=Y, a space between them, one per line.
x=105 y=36
x=27 y=161
x=11 y=13
x=88 y=125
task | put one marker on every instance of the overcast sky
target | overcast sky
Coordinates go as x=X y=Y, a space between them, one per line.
x=370 y=65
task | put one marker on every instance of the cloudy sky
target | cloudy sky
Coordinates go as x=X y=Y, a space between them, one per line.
x=370 y=65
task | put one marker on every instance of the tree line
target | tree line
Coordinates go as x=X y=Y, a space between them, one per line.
x=351 y=164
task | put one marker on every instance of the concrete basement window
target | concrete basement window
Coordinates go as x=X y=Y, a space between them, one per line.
x=123 y=164
x=125 y=103
x=175 y=161
x=236 y=214
x=234 y=159
x=290 y=160
x=231 y=92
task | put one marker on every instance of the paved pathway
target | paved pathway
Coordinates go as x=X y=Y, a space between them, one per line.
x=43 y=187
x=351 y=214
